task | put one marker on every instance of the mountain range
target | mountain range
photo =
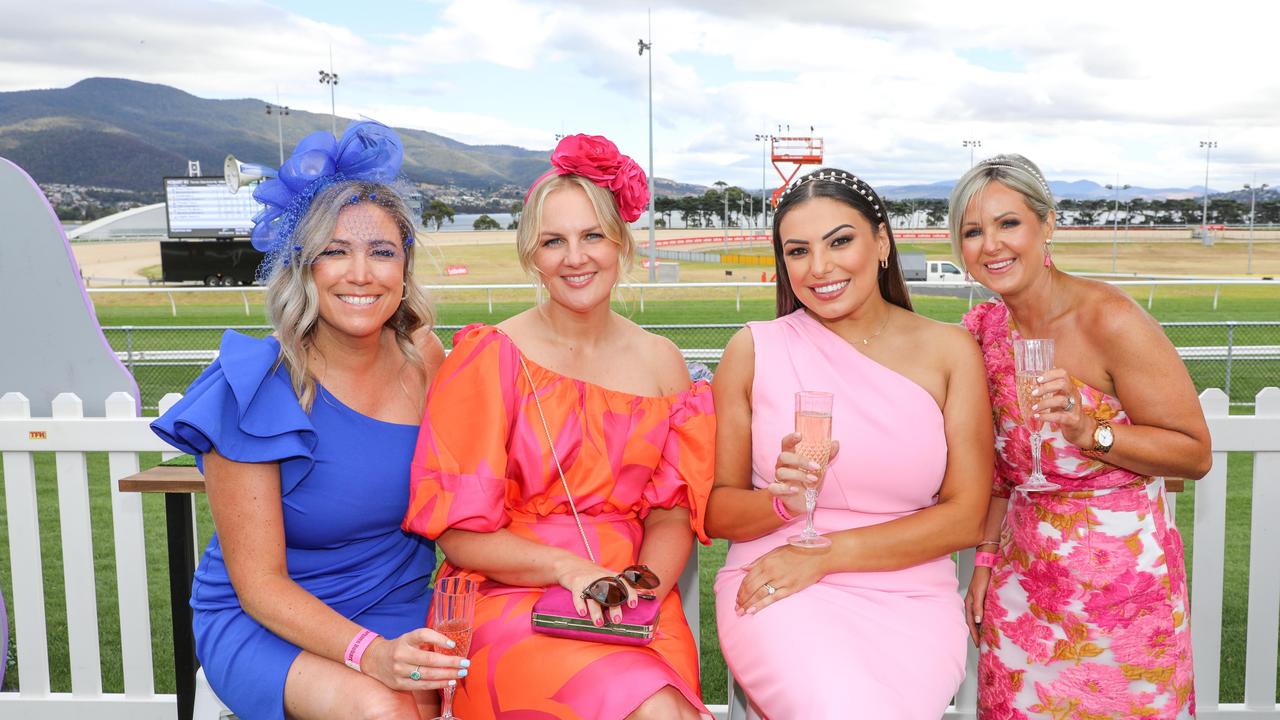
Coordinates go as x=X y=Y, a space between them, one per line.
x=117 y=133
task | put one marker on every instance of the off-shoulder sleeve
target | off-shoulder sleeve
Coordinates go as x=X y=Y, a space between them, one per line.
x=459 y=473
x=244 y=407
x=685 y=472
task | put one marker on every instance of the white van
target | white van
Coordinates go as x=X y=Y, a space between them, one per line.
x=944 y=271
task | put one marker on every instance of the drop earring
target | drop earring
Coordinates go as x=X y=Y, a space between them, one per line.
x=1048 y=260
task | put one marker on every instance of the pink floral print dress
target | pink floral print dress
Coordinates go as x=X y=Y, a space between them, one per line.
x=1086 y=616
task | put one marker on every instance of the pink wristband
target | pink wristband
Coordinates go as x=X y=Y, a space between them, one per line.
x=355 y=650
x=781 y=510
x=984 y=559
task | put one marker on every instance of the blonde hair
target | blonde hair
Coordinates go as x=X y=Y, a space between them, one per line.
x=293 y=304
x=602 y=202
x=1014 y=172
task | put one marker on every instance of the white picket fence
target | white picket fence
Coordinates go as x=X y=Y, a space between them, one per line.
x=123 y=435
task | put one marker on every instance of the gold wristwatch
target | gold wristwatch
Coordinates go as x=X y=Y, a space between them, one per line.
x=1103 y=437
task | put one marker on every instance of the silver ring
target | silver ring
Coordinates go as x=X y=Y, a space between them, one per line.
x=1071 y=402
x=770 y=589
x=415 y=675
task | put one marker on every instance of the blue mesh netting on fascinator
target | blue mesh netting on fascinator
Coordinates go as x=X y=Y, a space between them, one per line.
x=368 y=151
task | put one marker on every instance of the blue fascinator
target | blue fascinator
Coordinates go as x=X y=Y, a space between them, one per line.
x=368 y=151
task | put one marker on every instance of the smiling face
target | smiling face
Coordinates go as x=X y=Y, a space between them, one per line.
x=1002 y=240
x=574 y=258
x=832 y=255
x=359 y=275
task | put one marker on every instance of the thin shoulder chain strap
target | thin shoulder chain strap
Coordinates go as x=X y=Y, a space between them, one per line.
x=555 y=456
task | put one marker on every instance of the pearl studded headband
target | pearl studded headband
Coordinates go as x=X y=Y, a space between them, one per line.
x=1006 y=161
x=844 y=178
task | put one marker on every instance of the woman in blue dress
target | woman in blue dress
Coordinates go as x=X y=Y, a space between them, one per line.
x=310 y=601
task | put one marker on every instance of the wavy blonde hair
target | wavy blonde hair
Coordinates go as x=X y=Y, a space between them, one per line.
x=1013 y=171
x=293 y=304
x=602 y=201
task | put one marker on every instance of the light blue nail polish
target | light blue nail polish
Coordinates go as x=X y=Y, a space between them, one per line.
x=462 y=673
x=465 y=663
x=453 y=683
x=452 y=644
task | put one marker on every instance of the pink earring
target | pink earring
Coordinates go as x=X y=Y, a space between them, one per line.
x=966 y=276
x=1047 y=260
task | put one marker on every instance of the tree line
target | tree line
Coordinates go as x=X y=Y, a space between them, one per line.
x=726 y=206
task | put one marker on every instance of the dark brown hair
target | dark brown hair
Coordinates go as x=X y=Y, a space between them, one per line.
x=893 y=287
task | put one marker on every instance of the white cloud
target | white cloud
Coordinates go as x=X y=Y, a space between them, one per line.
x=1088 y=90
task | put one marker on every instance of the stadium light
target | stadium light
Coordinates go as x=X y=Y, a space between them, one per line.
x=1253 y=189
x=1208 y=146
x=1115 y=219
x=653 y=184
x=764 y=139
x=971 y=144
x=279 y=111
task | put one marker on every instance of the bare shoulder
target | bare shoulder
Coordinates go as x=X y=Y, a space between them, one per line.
x=1110 y=312
x=947 y=339
x=430 y=348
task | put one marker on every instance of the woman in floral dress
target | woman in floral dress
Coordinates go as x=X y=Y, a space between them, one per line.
x=1082 y=611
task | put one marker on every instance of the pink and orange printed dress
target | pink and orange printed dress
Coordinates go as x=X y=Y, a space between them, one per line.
x=484 y=464
x=1086 y=617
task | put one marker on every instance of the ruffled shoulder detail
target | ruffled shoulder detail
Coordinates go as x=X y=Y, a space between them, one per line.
x=244 y=406
x=986 y=317
x=686 y=470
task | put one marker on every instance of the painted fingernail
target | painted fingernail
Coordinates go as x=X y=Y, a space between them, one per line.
x=462 y=673
x=1036 y=406
x=452 y=683
x=600 y=622
x=751 y=611
x=1040 y=379
x=1036 y=415
x=451 y=644
x=464 y=663
x=813 y=465
x=1035 y=393
x=582 y=613
x=811 y=478
x=977 y=619
x=631 y=603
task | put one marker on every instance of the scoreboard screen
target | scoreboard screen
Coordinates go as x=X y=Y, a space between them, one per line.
x=203 y=207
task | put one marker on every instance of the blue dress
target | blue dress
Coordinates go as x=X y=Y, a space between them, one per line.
x=344 y=488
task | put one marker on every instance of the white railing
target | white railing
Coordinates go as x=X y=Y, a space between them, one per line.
x=123 y=435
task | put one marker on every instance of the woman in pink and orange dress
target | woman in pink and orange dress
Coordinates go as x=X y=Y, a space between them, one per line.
x=1079 y=603
x=633 y=434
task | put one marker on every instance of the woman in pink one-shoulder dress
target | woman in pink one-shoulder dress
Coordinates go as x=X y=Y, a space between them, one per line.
x=873 y=626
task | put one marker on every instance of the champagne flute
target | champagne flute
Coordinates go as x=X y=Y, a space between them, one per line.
x=1032 y=358
x=453 y=610
x=813 y=423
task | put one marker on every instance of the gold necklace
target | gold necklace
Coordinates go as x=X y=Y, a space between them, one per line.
x=883 y=325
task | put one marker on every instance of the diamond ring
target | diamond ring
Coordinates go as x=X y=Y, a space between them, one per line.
x=1071 y=402
x=770 y=589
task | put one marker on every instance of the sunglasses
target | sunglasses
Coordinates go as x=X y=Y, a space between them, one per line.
x=612 y=591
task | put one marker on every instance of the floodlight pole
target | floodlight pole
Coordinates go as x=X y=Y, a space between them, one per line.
x=279 y=111
x=331 y=79
x=971 y=144
x=1208 y=146
x=764 y=139
x=1115 y=219
x=653 y=186
x=1253 y=188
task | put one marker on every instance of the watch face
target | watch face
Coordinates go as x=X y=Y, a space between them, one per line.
x=1106 y=437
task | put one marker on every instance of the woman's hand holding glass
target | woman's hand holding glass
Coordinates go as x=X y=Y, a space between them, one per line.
x=1057 y=402
x=392 y=661
x=793 y=473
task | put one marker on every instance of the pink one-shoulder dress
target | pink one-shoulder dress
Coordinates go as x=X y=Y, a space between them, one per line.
x=884 y=645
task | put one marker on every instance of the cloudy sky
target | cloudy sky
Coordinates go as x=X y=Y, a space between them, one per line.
x=1088 y=89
